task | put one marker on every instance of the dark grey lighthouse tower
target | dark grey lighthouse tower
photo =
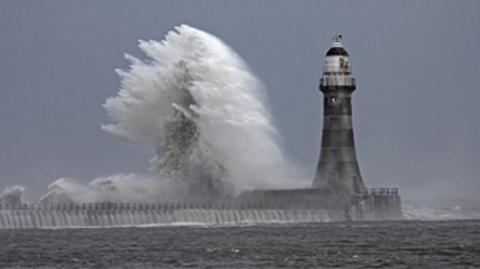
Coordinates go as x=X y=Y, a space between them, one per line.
x=338 y=169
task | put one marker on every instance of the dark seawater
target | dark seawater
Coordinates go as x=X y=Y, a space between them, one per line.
x=405 y=244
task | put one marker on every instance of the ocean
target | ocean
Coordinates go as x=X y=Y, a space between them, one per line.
x=389 y=244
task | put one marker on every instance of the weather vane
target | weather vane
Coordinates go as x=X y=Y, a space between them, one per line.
x=337 y=38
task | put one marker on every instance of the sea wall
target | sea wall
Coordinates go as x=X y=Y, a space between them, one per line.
x=378 y=204
x=279 y=206
x=114 y=215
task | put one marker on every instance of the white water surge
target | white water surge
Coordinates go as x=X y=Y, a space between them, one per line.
x=195 y=102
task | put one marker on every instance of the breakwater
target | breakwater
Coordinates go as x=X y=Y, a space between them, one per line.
x=138 y=214
x=377 y=204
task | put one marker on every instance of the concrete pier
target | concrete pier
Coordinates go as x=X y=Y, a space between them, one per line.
x=250 y=208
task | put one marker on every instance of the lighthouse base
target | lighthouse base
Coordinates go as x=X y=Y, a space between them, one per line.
x=377 y=204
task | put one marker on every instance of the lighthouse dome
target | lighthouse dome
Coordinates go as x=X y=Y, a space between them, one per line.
x=337 y=51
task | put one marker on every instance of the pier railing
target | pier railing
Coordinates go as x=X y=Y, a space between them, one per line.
x=165 y=206
x=384 y=191
x=141 y=206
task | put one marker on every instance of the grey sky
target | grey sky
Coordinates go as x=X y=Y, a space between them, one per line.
x=417 y=63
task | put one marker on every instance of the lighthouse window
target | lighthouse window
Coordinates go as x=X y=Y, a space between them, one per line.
x=334 y=100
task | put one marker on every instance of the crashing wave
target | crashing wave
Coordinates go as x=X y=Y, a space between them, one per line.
x=12 y=195
x=195 y=102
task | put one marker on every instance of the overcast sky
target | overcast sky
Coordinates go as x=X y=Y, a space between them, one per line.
x=416 y=112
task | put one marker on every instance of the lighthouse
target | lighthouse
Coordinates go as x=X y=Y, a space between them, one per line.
x=337 y=168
